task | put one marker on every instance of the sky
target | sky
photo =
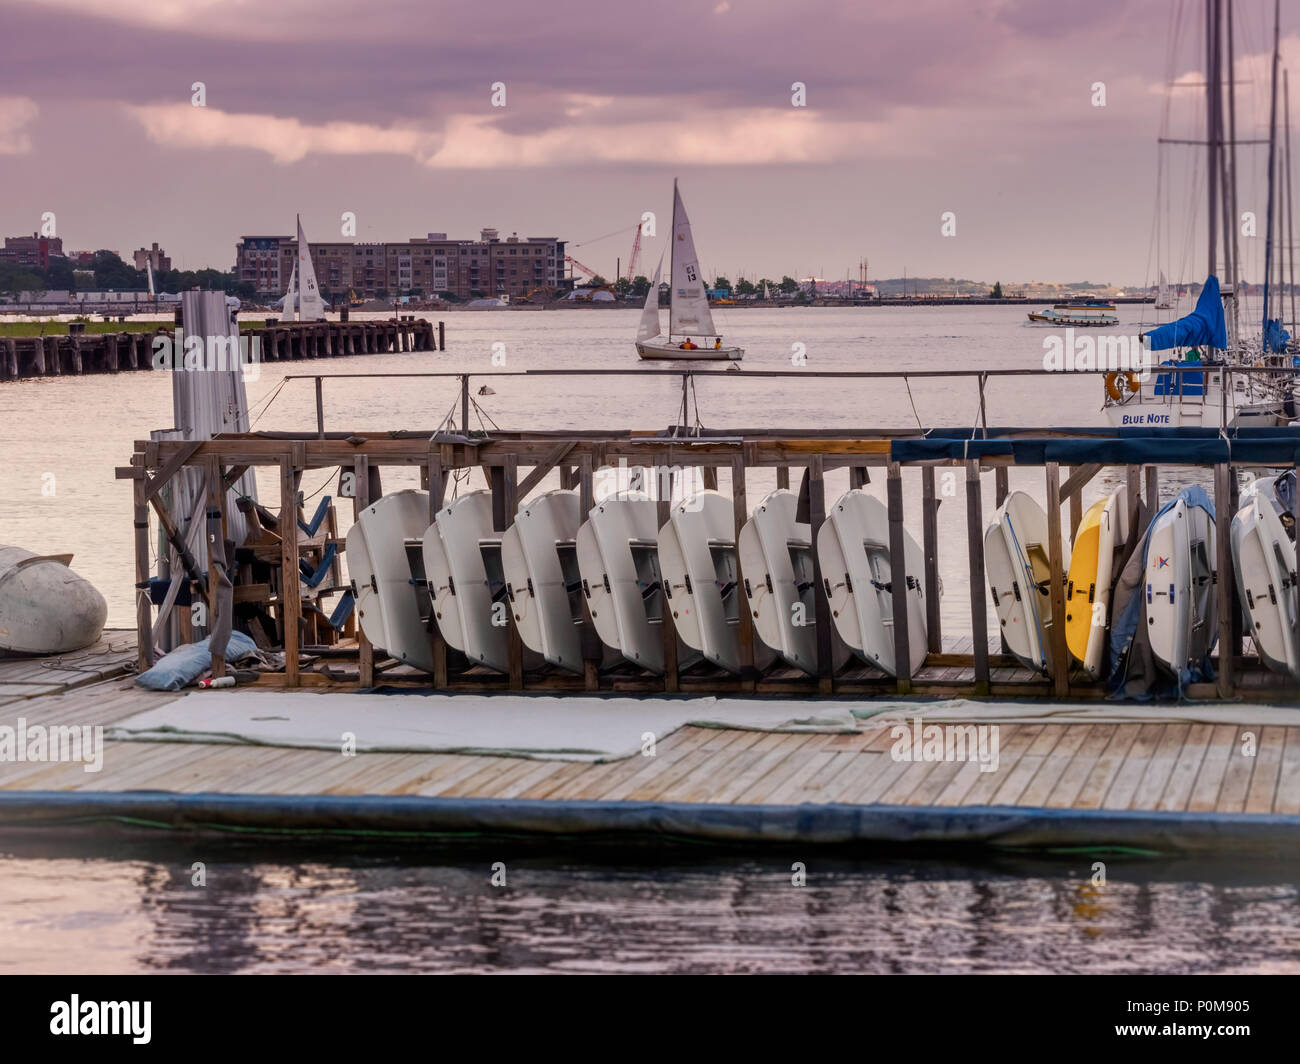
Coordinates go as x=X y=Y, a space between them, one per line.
x=388 y=109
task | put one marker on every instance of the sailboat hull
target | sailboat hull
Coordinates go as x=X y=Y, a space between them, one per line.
x=662 y=349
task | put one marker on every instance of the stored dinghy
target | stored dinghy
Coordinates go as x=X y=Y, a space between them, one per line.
x=46 y=608
x=462 y=557
x=539 y=558
x=697 y=557
x=1017 y=559
x=853 y=549
x=1100 y=540
x=618 y=558
x=387 y=574
x=776 y=559
x=1264 y=560
x=1181 y=611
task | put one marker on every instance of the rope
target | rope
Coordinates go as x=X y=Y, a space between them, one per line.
x=908 y=385
x=271 y=399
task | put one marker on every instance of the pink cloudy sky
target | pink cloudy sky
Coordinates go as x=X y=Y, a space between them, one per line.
x=980 y=107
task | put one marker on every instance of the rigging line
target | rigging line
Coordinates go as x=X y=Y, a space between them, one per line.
x=597 y=239
x=271 y=399
x=908 y=385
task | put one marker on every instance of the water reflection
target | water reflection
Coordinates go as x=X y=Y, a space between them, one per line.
x=137 y=910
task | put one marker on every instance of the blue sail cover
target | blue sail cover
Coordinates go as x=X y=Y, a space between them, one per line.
x=1203 y=327
x=1275 y=337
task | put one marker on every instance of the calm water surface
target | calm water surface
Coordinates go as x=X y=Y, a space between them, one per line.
x=300 y=912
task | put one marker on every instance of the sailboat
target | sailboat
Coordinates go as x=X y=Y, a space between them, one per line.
x=1163 y=301
x=691 y=334
x=302 y=301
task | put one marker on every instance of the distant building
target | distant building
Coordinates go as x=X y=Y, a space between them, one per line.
x=82 y=258
x=33 y=251
x=430 y=264
x=154 y=255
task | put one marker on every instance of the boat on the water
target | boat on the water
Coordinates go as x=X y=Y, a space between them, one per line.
x=46 y=608
x=691 y=335
x=1077 y=314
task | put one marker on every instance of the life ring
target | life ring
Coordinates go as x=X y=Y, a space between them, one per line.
x=1112 y=385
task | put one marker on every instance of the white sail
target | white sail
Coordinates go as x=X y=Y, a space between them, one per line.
x=764 y=295
x=148 y=263
x=688 y=311
x=1163 y=301
x=649 y=326
x=290 y=308
x=310 y=307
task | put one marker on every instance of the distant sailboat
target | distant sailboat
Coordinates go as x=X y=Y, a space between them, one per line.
x=1163 y=301
x=302 y=301
x=690 y=322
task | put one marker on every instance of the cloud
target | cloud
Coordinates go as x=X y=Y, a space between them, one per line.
x=737 y=137
x=286 y=140
x=16 y=113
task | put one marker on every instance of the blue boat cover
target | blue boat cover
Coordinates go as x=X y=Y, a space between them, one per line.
x=1133 y=673
x=1136 y=445
x=1203 y=327
x=1275 y=337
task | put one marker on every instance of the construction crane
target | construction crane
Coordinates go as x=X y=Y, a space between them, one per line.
x=579 y=266
x=636 y=254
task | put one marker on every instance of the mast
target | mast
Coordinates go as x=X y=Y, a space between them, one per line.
x=1272 y=153
x=672 y=264
x=1290 y=212
x=1211 y=124
x=1231 y=232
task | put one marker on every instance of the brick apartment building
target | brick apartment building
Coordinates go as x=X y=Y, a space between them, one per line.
x=32 y=251
x=155 y=255
x=426 y=265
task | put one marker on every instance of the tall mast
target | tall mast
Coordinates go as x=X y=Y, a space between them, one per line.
x=1211 y=124
x=672 y=257
x=1290 y=212
x=1272 y=153
x=1234 y=219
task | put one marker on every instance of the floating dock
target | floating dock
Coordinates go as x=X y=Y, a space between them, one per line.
x=1174 y=787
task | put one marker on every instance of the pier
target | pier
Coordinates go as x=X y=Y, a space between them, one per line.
x=80 y=353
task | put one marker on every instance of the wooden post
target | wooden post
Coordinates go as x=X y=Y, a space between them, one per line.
x=320 y=408
x=442 y=338
x=930 y=545
x=898 y=576
x=978 y=594
x=1152 y=488
x=592 y=652
x=711 y=478
x=436 y=478
x=816 y=518
x=745 y=629
x=783 y=477
x=1133 y=491
x=215 y=529
x=1226 y=583
x=1060 y=656
x=667 y=629
x=143 y=605
x=858 y=476
x=290 y=604
x=1001 y=489
x=1076 y=507
x=365 y=650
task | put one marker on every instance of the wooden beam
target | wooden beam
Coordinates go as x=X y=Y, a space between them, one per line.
x=592 y=650
x=544 y=467
x=1080 y=477
x=745 y=629
x=930 y=546
x=514 y=645
x=173 y=464
x=978 y=594
x=1225 y=588
x=816 y=518
x=143 y=604
x=290 y=604
x=215 y=522
x=898 y=576
x=1060 y=655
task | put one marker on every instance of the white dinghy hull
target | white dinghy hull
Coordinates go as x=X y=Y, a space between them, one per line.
x=1179 y=579
x=46 y=608
x=1264 y=560
x=697 y=556
x=776 y=559
x=1016 y=559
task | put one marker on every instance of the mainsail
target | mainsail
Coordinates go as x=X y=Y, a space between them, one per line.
x=688 y=312
x=290 y=307
x=310 y=307
x=1203 y=327
x=649 y=326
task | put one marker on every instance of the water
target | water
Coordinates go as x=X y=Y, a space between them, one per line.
x=137 y=911
x=62 y=437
